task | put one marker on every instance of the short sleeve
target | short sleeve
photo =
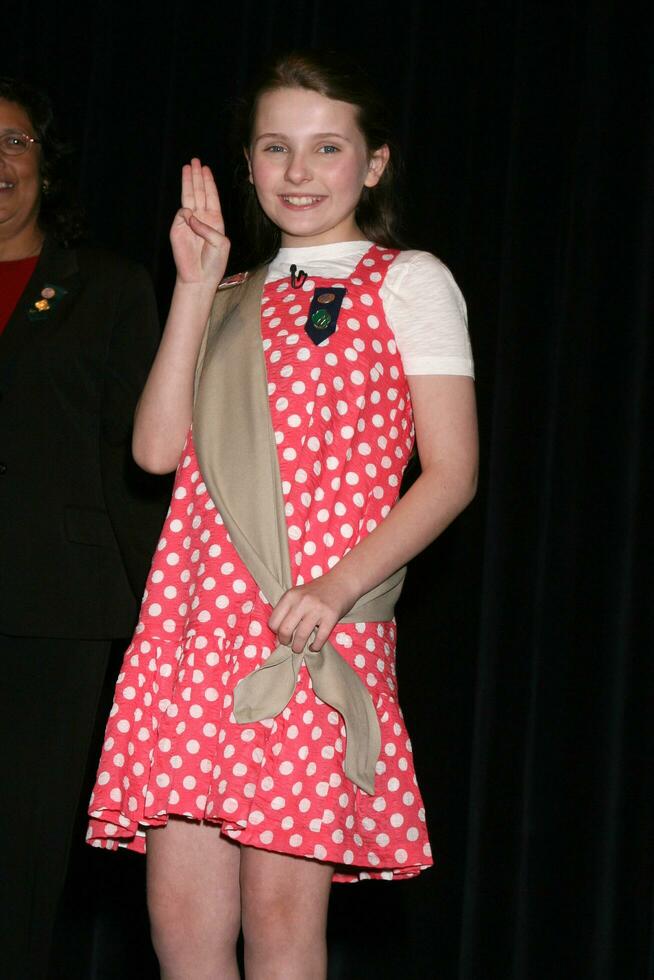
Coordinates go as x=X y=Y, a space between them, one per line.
x=426 y=311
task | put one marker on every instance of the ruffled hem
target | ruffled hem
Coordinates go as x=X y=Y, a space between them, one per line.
x=111 y=830
x=173 y=747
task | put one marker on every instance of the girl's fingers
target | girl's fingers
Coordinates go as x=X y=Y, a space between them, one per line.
x=295 y=626
x=211 y=192
x=287 y=629
x=302 y=634
x=182 y=216
x=279 y=612
x=200 y=194
x=197 y=178
x=285 y=618
x=321 y=636
x=188 y=197
x=210 y=234
x=313 y=632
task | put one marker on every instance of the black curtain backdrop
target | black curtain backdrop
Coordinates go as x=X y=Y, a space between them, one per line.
x=526 y=636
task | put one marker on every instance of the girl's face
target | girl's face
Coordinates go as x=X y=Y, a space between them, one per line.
x=309 y=163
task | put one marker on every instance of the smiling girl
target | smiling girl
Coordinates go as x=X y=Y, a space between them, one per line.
x=256 y=745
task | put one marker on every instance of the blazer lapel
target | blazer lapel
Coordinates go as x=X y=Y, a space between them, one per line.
x=57 y=268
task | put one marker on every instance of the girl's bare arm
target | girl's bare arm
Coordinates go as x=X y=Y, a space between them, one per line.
x=446 y=435
x=163 y=413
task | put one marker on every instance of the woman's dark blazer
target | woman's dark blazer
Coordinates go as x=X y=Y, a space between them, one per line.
x=78 y=519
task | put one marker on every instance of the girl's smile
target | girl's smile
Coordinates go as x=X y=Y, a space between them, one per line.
x=309 y=164
x=302 y=203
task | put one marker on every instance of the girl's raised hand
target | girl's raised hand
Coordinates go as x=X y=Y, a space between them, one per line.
x=197 y=234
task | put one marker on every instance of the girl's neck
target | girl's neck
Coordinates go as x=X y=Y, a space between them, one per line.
x=298 y=246
x=345 y=232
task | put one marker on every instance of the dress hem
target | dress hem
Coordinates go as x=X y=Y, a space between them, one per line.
x=131 y=835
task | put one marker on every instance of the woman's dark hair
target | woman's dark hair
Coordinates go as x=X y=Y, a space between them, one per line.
x=341 y=79
x=59 y=215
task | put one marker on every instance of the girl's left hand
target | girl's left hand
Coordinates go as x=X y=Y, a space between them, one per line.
x=317 y=605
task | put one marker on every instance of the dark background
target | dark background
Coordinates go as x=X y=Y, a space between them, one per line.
x=526 y=633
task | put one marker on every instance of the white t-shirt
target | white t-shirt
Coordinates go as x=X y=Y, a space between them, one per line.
x=422 y=302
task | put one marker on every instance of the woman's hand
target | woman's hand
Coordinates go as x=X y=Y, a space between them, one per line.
x=197 y=234
x=318 y=606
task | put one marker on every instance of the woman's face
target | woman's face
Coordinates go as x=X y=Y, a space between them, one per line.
x=309 y=164
x=20 y=180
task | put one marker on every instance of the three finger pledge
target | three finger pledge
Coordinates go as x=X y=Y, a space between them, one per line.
x=197 y=235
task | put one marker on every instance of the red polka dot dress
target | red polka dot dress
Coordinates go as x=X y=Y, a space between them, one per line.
x=342 y=419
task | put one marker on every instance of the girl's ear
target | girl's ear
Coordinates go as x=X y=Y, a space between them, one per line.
x=247 y=157
x=377 y=165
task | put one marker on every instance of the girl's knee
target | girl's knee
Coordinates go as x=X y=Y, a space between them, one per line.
x=284 y=901
x=187 y=930
x=282 y=940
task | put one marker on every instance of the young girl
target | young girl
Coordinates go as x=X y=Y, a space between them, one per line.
x=256 y=744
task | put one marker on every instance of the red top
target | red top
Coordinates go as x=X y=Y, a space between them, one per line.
x=14 y=276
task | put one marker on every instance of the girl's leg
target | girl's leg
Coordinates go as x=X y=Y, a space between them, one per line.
x=284 y=901
x=193 y=900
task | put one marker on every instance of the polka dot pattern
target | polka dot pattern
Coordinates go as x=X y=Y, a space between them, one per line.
x=342 y=419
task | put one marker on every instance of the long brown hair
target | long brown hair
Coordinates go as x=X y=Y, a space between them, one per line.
x=338 y=78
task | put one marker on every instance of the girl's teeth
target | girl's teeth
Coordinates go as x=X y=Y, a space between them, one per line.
x=301 y=201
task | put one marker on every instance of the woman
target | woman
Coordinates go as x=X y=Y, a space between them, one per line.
x=78 y=329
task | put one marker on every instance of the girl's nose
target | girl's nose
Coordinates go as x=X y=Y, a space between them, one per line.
x=297 y=168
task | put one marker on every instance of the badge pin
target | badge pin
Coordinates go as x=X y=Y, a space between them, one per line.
x=321 y=319
x=323 y=312
x=235 y=280
x=50 y=296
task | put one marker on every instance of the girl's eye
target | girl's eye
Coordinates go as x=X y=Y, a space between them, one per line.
x=329 y=148
x=275 y=148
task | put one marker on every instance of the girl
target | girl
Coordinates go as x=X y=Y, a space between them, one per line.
x=256 y=744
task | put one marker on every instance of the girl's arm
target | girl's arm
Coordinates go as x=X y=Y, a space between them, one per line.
x=200 y=248
x=446 y=435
